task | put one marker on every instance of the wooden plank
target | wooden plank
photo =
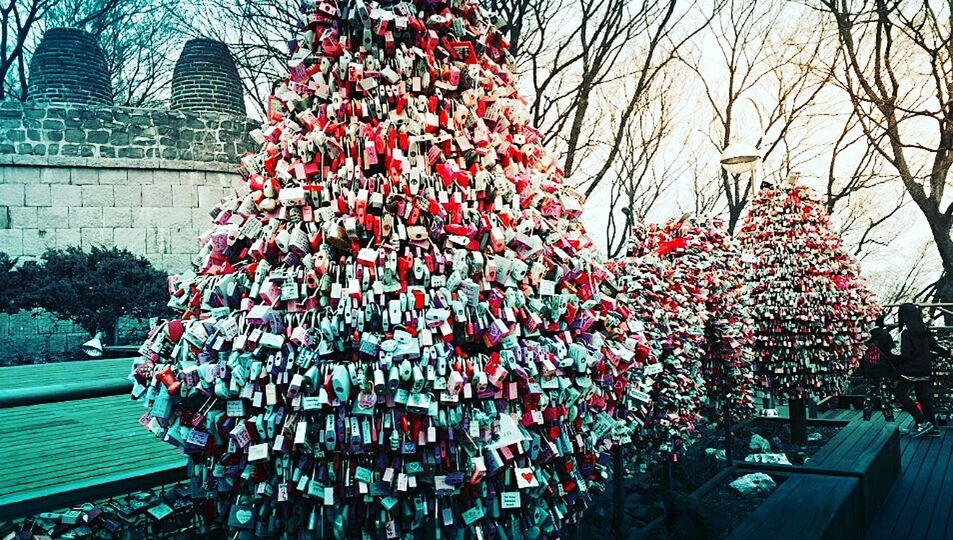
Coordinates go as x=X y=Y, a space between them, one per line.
x=940 y=522
x=85 y=443
x=933 y=495
x=72 y=493
x=826 y=506
x=886 y=522
x=865 y=446
x=759 y=524
x=844 y=436
x=908 y=513
x=46 y=374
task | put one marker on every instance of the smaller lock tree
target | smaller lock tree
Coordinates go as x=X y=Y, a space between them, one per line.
x=811 y=306
x=704 y=252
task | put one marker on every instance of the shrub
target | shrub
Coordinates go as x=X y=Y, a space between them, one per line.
x=94 y=288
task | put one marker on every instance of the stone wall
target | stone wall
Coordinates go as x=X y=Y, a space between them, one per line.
x=139 y=179
x=83 y=131
x=157 y=213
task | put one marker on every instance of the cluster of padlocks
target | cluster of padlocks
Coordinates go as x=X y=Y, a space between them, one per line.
x=811 y=306
x=399 y=326
x=709 y=257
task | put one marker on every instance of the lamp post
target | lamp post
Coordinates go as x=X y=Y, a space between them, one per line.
x=737 y=158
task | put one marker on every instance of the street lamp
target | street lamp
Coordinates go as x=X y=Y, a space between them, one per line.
x=739 y=158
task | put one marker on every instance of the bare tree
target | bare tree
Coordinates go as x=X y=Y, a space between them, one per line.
x=570 y=52
x=642 y=172
x=17 y=21
x=139 y=40
x=256 y=32
x=898 y=61
x=759 y=64
x=856 y=188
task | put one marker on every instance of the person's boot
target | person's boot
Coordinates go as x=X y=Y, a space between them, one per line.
x=868 y=410
x=888 y=415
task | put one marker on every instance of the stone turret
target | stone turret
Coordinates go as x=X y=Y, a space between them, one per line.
x=69 y=67
x=206 y=80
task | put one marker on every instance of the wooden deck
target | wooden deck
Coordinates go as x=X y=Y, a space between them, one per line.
x=38 y=375
x=920 y=504
x=58 y=454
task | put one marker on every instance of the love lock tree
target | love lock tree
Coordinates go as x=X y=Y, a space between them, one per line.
x=398 y=326
x=811 y=306
x=664 y=316
x=707 y=255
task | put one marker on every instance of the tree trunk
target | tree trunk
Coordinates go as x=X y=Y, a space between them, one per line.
x=798 y=415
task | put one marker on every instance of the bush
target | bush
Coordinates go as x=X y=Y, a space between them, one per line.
x=93 y=289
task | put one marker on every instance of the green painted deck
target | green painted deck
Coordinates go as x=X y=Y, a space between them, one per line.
x=57 y=454
x=17 y=377
x=920 y=505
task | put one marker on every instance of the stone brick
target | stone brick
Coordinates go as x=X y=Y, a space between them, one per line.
x=11 y=195
x=82 y=177
x=158 y=195
x=130 y=195
x=140 y=177
x=22 y=322
x=157 y=241
x=85 y=217
x=38 y=195
x=4 y=324
x=200 y=219
x=132 y=239
x=11 y=241
x=53 y=217
x=23 y=217
x=98 y=196
x=209 y=196
x=170 y=178
x=117 y=217
x=54 y=175
x=45 y=322
x=184 y=197
x=67 y=237
x=22 y=175
x=4 y=217
x=37 y=241
x=176 y=263
x=183 y=241
x=67 y=195
x=57 y=344
x=192 y=178
x=161 y=217
x=96 y=236
x=113 y=176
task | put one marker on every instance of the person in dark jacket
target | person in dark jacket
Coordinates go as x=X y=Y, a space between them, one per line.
x=917 y=345
x=879 y=370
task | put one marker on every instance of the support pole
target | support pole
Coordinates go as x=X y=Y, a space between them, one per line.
x=618 y=494
x=798 y=415
x=728 y=439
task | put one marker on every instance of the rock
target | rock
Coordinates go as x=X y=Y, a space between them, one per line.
x=777 y=459
x=814 y=436
x=753 y=484
x=717 y=452
x=759 y=444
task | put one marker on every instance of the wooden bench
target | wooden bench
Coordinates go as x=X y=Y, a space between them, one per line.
x=807 y=507
x=60 y=453
x=868 y=451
